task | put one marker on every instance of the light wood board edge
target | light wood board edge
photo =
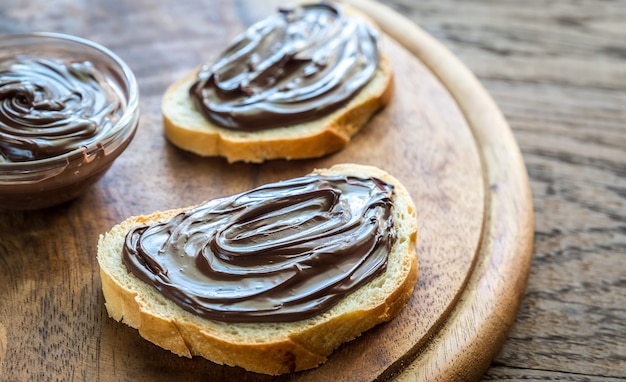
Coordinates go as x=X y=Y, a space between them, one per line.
x=479 y=323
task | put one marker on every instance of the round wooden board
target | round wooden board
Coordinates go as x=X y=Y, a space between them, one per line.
x=441 y=135
x=476 y=327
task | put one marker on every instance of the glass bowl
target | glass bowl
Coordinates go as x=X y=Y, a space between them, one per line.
x=42 y=180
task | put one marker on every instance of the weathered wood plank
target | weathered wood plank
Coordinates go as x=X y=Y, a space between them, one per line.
x=556 y=69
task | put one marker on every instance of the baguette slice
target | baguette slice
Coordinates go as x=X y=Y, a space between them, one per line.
x=189 y=130
x=268 y=348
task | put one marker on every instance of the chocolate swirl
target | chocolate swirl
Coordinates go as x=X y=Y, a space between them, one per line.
x=49 y=108
x=291 y=68
x=281 y=252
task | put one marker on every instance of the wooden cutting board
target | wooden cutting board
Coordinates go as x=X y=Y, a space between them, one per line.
x=442 y=136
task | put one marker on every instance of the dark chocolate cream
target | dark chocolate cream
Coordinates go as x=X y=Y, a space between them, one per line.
x=49 y=108
x=281 y=252
x=296 y=66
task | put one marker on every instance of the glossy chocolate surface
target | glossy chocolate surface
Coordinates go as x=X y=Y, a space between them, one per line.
x=49 y=108
x=296 y=66
x=285 y=251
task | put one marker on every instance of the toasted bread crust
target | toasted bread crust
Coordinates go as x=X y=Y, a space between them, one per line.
x=268 y=348
x=189 y=130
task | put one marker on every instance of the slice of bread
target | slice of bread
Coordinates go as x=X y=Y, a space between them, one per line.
x=264 y=347
x=189 y=130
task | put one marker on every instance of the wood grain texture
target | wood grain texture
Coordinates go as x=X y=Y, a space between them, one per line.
x=477 y=326
x=556 y=69
x=48 y=256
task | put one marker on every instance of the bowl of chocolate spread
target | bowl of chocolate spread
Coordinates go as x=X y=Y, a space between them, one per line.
x=68 y=108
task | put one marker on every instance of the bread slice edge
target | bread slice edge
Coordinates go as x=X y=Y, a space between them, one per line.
x=187 y=128
x=268 y=348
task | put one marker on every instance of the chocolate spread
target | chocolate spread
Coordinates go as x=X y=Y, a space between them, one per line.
x=296 y=66
x=49 y=108
x=281 y=252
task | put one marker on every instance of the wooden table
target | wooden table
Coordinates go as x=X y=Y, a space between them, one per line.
x=556 y=70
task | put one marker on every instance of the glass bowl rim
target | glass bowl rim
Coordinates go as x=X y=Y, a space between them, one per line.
x=124 y=127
